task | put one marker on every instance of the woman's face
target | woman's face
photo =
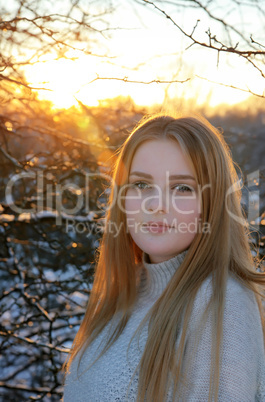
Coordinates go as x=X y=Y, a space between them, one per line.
x=162 y=202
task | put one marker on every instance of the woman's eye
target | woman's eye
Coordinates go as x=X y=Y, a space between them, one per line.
x=141 y=185
x=182 y=188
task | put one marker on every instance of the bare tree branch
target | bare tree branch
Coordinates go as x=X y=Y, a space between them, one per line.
x=125 y=79
x=2 y=77
x=29 y=389
x=10 y=158
x=234 y=87
x=35 y=343
x=221 y=48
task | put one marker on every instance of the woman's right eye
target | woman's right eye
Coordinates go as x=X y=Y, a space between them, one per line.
x=141 y=185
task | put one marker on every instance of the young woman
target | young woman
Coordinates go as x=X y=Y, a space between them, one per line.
x=175 y=312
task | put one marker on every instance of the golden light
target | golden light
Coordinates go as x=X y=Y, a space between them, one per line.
x=9 y=125
x=64 y=78
x=71 y=80
x=146 y=49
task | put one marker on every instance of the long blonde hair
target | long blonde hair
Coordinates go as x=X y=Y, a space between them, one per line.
x=226 y=249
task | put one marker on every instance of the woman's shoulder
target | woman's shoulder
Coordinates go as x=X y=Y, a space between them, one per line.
x=235 y=289
x=240 y=301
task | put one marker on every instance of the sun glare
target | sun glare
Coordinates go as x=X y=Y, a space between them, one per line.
x=67 y=81
x=63 y=78
x=71 y=80
x=141 y=52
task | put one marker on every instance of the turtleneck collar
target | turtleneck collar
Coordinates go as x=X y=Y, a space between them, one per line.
x=156 y=276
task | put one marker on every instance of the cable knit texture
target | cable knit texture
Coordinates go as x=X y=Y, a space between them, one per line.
x=242 y=375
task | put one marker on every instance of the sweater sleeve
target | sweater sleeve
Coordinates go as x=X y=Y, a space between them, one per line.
x=242 y=367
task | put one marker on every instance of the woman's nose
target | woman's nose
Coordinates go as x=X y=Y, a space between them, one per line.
x=157 y=202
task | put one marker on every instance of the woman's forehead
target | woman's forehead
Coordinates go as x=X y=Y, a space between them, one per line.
x=161 y=155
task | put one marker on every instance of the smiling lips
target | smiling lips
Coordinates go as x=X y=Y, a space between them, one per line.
x=156 y=227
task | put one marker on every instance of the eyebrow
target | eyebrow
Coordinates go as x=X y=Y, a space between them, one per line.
x=172 y=177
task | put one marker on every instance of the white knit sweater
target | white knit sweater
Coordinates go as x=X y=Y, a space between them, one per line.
x=242 y=375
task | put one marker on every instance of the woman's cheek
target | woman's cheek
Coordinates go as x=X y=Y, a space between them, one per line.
x=185 y=207
x=132 y=205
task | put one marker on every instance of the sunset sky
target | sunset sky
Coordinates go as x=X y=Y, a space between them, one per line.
x=149 y=47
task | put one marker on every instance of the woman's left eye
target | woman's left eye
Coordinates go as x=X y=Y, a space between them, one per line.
x=183 y=188
x=141 y=185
